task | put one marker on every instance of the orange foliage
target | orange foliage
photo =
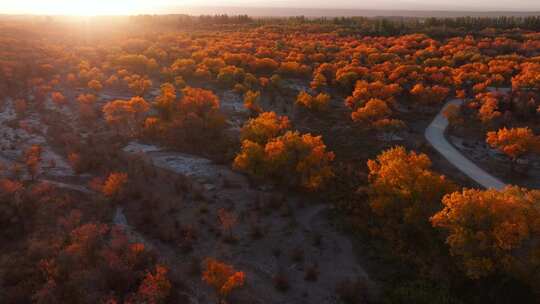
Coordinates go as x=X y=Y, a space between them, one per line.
x=372 y=111
x=292 y=68
x=230 y=75
x=95 y=85
x=165 y=102
x=139 y=85
x=265 y=127
x=10 y=187
x=112 y=81
x=155 y=288
x=389 y=125
x=183 y=67
x=429 y=95
x=114 y=185
x=315 y=103
x=33 y=160
x=222 y=277
x=58 y=98
x=192 y=120
x=528 y=78
x=514 y=142
x=87 y=99
x=318 y=82
x=364 y=91
x=252 y=101
x=198 y=101
x=403 y=194
x=126 y=115
x=489 y=107
x=86 y=106
x=267 y=65
x=291 y=158
x=491 y=230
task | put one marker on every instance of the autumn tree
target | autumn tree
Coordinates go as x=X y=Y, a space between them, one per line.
x=365 y=91
x=166 y=100
x=86 y=106
x=264 y=65
x=183 y=67
x=195 y=119
x=139 y=85
x=493 y=231
x=349 y=76
x=302 y=157
x=137 y=63
x=198 y=101
x=222 y=277
x=152 y=127
x=489 y=107
x=293 y=69
x=453 y=114
x=252 y=101
x=264 y=127
x=429 y=95
x=389 y=126
x=276 y=83
x=403 y=193
x=515 y=142
x=95 y=85
x=58 y=98
x=230 y=75
x=100 y=252
x=114 y=185
x=179 y=82
x=126 y=115
x=314 y=103
x=71 y=80
x=372 y=111
x=527 y=79
x=319 y=81
x=156 y=287
x=32 y=160
x=113 y=81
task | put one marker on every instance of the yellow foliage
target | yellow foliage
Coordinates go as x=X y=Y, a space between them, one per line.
x=292 y=158
x=492 y=230
x=266 y=126
x=514 y=142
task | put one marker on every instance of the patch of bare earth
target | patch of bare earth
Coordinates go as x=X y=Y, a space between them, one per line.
x=284 y=243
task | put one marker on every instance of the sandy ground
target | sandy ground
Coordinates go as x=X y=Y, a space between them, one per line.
x=288 y=233
x=17 y=136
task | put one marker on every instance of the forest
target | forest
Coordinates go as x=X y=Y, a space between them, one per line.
x=234 y=159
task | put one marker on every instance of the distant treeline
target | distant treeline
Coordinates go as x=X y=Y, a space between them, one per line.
x=435 y=27
x=385 y=26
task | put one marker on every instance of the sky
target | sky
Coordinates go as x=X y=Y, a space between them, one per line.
x=126 y=7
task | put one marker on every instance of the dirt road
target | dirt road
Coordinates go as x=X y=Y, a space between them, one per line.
x=435 y=136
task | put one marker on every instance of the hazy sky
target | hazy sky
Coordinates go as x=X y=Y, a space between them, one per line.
x=91 y=7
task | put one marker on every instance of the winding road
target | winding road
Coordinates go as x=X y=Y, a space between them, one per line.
x=435 y=136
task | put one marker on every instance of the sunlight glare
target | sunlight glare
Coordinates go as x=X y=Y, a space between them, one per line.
x=86 y=7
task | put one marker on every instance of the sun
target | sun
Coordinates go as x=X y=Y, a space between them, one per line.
x=83 y=7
